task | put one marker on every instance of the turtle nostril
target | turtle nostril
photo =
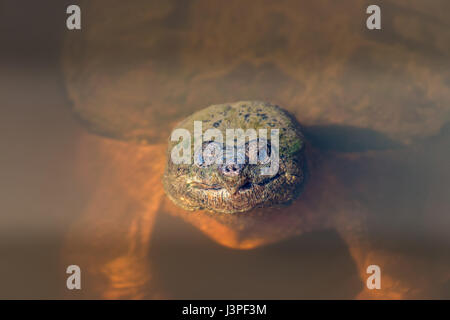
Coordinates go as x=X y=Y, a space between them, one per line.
x=231 y=169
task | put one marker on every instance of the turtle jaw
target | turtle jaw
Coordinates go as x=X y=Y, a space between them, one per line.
x=223 y=199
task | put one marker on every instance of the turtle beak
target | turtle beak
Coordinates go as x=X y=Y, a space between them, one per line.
x=232 y=189
x=233 y=177
x=234 y=186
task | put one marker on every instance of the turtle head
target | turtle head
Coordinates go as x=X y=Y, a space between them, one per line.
x=235 y=157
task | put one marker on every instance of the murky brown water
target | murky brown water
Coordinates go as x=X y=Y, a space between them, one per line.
x=375 y=106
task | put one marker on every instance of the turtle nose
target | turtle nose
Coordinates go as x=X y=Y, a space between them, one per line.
x=231 y=170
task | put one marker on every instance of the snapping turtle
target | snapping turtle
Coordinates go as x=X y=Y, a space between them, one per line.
x=357 y=107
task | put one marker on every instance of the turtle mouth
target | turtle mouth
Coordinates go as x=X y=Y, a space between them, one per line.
x=246 y=197
x=248 y=186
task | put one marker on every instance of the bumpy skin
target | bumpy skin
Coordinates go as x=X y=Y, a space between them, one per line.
x=194 y=187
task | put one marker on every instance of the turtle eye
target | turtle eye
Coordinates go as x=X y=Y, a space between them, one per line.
x=252 y=151
x=210 y=153
x=263 y=156
x=241 y=156
x=213 y=153
x=198 y=160
x=258 y=151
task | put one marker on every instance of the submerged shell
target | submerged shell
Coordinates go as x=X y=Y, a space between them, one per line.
x=135 y=72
